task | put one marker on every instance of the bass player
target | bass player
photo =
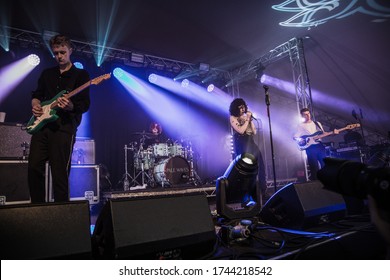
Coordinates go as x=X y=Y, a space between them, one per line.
x=315 y=151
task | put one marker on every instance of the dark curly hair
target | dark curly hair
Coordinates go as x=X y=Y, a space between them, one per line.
x=234 y=110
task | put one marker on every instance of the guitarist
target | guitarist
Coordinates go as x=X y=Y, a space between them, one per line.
x=54 y=141
x=315 y=152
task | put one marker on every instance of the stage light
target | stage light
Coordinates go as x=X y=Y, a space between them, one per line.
x=152 y=78
x=204 y=67
x=33 y=60
x=118 y=73
x=210 y=88
x=237 y=191
x=185 y=83
x=78 y=65
x=262 y=78
x=138 y=58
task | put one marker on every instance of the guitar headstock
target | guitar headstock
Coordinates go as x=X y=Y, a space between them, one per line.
x=100 y=79
x=352 y=126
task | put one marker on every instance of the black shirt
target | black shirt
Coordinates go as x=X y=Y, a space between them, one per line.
x=52 y=82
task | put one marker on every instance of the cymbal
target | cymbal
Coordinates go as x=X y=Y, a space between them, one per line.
x=189 y=137
x=143 y=133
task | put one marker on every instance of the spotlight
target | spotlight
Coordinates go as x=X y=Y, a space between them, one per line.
x=152 y=78
x=210 y=88
x=262 y=78
x=138 y=58
x=204 y=67
x=118 y=73
x=78 y=65
x=33 y=60
x=237 y=191
x=185 y=83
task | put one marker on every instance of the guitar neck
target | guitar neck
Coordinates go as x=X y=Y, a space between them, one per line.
x=328 y=133
x=70 y=94
x=80 y=88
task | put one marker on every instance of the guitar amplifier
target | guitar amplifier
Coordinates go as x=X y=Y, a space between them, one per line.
x=14 y=183
x=14 y=141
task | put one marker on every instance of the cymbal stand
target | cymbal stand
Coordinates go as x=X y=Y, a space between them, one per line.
x=126 y=176
x=142 y=173
x=194 y=177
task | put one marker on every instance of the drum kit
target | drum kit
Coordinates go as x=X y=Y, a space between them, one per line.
x=159 y=164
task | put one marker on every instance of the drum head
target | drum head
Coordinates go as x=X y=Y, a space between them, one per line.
x=174 y=170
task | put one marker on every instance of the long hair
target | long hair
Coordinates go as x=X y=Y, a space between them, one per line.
x=234 y=110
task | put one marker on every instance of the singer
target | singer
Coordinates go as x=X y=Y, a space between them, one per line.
x=243 y=129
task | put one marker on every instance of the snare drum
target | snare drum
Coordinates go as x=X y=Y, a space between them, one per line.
x=176 y=150
x=160 y=150
x=144 y=157
x=171 y=171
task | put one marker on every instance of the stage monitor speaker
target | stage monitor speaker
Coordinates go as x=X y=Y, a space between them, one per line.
x=300 y=206
x=155 y=227
x=45 y=231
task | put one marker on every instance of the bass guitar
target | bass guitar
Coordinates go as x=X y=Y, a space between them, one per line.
x=50 y=107
x=306 y=141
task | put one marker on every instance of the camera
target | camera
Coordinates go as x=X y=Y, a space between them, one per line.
x=358 y=180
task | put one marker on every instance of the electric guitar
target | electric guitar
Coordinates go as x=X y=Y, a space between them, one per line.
x=306 y=141
x=50 y=107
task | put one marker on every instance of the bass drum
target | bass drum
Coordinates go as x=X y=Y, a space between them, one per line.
x=172 y=171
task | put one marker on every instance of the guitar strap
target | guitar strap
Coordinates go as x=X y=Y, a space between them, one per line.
x=319 y=127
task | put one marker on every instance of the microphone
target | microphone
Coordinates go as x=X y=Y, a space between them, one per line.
x=252 y=117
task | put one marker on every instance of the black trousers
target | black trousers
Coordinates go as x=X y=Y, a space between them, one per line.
x=315 y=158
x=56 y=147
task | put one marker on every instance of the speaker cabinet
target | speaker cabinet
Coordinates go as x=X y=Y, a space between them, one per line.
x=305 y=205
x=175 y=226
x=45 y=231
x=14 y=141
x=13 y=182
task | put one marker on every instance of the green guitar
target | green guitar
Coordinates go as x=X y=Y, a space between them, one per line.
x=50 y=107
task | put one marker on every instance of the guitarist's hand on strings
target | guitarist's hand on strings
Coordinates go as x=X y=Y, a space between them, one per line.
x=64 y=103
x=36 y=107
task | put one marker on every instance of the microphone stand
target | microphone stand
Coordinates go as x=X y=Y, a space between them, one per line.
x=268 y=103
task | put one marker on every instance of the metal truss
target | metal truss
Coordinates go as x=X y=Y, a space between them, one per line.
x=293 y=49
x=252 y=66
x=300 y=74
x=25 y=38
